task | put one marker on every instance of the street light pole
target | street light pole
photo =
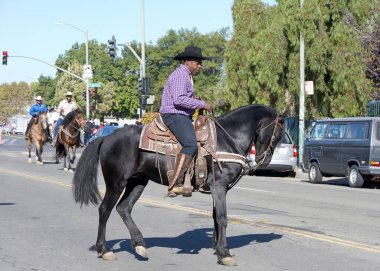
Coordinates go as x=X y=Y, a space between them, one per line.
x=142 y=76
x=142 y=39
x=301 y=118
x=86 y=34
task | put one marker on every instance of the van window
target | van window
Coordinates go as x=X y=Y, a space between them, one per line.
x=318 y=131
x=336 y=130
x=378 y=130
x=357 y=130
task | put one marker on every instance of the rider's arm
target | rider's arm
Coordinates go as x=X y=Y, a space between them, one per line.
x=183 y=92
x=32 y=111
x=60 y=108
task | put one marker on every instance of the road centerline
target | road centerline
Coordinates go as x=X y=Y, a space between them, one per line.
x=233 y=218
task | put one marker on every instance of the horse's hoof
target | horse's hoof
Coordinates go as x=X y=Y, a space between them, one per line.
x=109 y=256
x=65 y=169
x=70 y=170
x=40 y=163
x=140 y=250
x=228 y=261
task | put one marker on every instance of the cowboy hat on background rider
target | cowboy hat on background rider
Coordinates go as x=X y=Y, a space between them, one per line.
x=177 y=108
x=35 y=111
x=65 y=107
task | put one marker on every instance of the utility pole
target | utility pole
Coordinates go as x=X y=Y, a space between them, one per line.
x=142 y=39
x=301 y=118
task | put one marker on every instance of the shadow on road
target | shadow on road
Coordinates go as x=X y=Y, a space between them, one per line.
x=191 y=242
x=343 y=182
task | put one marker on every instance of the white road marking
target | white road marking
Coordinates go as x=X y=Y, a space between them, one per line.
x=256 y=190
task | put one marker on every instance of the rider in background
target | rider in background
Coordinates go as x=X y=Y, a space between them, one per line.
x=35 y=111
x=177 y=108
x=65 y=107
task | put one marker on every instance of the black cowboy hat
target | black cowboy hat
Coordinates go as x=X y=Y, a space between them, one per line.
x=191 y=52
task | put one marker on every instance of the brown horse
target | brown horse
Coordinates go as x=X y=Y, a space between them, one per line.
x=69 y=137
x=37 y=134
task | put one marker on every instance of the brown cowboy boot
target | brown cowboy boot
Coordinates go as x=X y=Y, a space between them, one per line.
x=30 y=123
x=183 y=162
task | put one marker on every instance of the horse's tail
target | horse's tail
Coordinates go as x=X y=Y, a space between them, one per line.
x=60 y=150
x=85 y=183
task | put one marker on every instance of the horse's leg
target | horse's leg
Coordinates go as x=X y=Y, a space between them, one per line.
x=220 y=224
x=38 y=153
x=65 y=157
x=30 y=150
x=109 y=201
x=132 y=193
x=73 y=149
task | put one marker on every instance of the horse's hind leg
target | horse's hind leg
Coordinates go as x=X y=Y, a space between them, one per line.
x=105 y=209
x=132 y=193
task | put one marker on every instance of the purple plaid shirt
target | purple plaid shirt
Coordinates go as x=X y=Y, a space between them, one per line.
x=178 y=94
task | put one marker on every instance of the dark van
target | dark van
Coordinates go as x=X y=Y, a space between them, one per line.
x=344 y=147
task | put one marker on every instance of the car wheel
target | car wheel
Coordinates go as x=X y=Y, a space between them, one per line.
x=355 y=179
x=315 y=175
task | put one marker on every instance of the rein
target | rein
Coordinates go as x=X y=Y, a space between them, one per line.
x=262 y=157
x=75 y=127
x=248 y=166
x=241 y=152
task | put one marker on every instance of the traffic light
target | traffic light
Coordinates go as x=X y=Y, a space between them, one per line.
x=5 y=58
x=146 y=87
x=112 y=48
x=140 y=86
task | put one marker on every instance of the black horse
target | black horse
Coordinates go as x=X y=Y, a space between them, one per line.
x=127 y=168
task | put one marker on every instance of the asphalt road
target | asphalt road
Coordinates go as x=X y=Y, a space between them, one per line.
x=275 y=223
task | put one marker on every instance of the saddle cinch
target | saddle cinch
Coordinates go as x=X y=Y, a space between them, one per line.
x=156 y=137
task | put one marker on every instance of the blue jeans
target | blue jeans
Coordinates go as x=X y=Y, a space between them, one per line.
x=183 y=128
x=58 y=123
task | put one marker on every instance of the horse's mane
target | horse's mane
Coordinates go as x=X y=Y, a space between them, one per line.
x=70 y=116
x=256 y=107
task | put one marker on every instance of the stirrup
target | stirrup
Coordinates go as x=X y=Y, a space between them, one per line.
x=180 y=190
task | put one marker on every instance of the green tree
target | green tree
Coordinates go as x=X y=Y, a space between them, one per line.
x=160 y=61
x=263 y=55
x=45 y=86
x=15 y=98
x=66 y=83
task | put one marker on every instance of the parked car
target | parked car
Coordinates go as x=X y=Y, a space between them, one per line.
x=284 y=158
x=347 y=147
x=105 y=131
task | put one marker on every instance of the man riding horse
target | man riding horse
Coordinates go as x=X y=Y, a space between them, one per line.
x=35 y=111
x=65 y=107
x=177 y=108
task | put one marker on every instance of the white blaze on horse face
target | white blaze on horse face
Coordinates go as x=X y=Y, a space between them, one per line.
x=43 y=121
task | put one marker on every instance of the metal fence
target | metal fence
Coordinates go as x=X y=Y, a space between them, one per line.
x=373 y=108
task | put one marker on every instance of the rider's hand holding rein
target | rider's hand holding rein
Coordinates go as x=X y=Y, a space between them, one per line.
x=208 y=107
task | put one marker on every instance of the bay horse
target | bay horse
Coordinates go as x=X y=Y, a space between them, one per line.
x=37 y=134
x=68 y=137
x=127 y=168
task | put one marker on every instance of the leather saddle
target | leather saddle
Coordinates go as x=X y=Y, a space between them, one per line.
x=156 y=137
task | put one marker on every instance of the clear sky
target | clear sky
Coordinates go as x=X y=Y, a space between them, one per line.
x=27 y=27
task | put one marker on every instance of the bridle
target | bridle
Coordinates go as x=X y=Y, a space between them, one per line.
x=248 y=167
x=261 y=157
x=76 y=128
